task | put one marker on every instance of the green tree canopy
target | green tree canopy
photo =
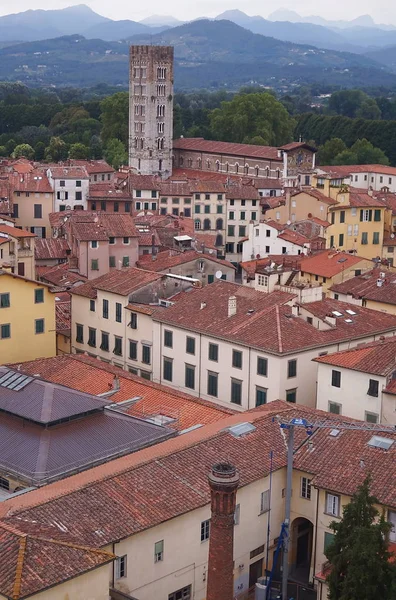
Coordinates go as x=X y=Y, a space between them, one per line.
x=115 y=153
x=23 y=150
x=249 y=116
x=78 y=150
x=358 y=554
x=57 y=150
x=329 y=150
x=348 y=103
x=114 y=117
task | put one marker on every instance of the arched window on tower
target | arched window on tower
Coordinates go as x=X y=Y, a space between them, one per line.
x=141 y=143
x=197 y=224
x=219 y=240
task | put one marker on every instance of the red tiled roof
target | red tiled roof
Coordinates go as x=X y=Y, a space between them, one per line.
x=185 y=174
x=209 y=186
x=95 y=377
x=243 y=150
x=294 y=237
x=119 y=281
x=346 y=170
x=243 y=192
x=63 y=172
x=101 y=226
x=108 y=192
x=366 y=286
x=388 y=199
x=50 y=249
x=376 y=358
x=34 y=181
x=171 y=188
x=36 y=561
x=144 y=182
x=168 y=259
x=258 y=265
x=362 y=199
x=295 y=145
x=60 y=275
x=16 y=232
x=267 y=183
x=329 y=263
x=315 y=193
x=63 y=314
x=92 y=166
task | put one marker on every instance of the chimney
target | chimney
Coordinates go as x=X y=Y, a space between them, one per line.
x=223 y=482
x=203 y=305
x=116 y=383
x=232 y=306
x=153 y=248
x=295 y=310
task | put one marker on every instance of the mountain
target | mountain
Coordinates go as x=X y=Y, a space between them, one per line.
x=208 y=54
x=386 y=56
x=40 y=24
x=161 y=21
x=283 y=14
x=119 y=30
x=298 y=33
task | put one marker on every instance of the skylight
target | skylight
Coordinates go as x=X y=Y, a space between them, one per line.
x=348 y=321
x=336 y=313
x=14 y=381
x=160 y=419
x=350 y=312
x=241 y=429
x=334 y=432
x=380 y=442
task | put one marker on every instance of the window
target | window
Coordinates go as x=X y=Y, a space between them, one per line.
x=38 y=211
x=104 y=344
x=377 y=215
x=305 y=488
x=213 y=352
x=133 y=322
x=332 y=218
x=159 y=551
x=219 y=209
x=39 y=326
x=366 y=215
x=190 y=345
x=118 y=312
x=94 y=264
x=146 y=354
x=92 y=305
x=341 y=239
x=4 y=300
x=237 y=359
x=132 y=350
x=292 y=368
x=328 y=539
x=105 y=309
x=237 y=514
x=168 y=369
x=261 y=396
x=265 y=501
x=335 y=408
x=4 y=483
x=205 y=530
x=236 y=391
x=117 y=346
x=336 y=378
x=145 y=374
x=212 y=384
x=94 y=244
x=78 y=183
x=125 y=261
x=370 y=417
x=342 y=216
x=291 y=396
x=5 y=331
x=376 y=237
x=231 y=230
x=242 y=230
x=168 y=338
x=364 y=238
x=190 y=377
x=91 y=337
x=243 y=215
x=15 y=212
x=121 y=567
x=332 y=505
x=182 y=594
x=332 y=241
x=112 y=261
x=262 y=366
x=373 y=388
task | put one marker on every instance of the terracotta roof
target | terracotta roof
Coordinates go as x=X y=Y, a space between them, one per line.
x=265 y=322
x=376 y=358
x=50 y=249
x=329 y=263
x=186 y=174
x=144 y=182
x=119 y=281
x=146 y=236
x=388 y=199
x=149 y=399
x=92 y=166
x=60 y=276
x=16 y=232
x=295 y=145
x=169 y=259
x=108 y=192
x=171 y=188
x=209 y=186
x=294 y=237
x=389 y=241
x=366 y=286
x=35 y=181
x=243 y=150
x=63 y=172
x=243 y=192
x=267 y=183
x=309 y=228
x=346 y=170
x=63 y=314
x=287 y=262
x=100 y=226
x=36 y=561
x=362 y=199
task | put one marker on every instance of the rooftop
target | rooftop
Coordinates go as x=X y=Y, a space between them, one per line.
x=92 y=166
x=245 y=150
x=63 y=172
x=146 y=398
x=260 y=265
x=376 y=358
x=378 y=285
x=119 y=281
x=60 y=276
x=63 y=313
x=315 y=193
x=50 y=249
x=35 y=181
x=346 y=170
x=101 y=226
x=329 y=263
x=169 y=259
x=16 y=232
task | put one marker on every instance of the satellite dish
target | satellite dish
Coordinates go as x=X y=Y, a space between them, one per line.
x=288 y=223
x=392 y=235
x=218 y=274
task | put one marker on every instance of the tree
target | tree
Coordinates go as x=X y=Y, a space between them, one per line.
x=367 y=154
x=249 y=116
x=358 y=554
x=115 y=153
x=114 y=117
x=3 y=151
x=329 y=150
x=39 y=151
x=57 y=150
x=78 y=151
x=347 y=102
x=369 y=109
x=24 y=150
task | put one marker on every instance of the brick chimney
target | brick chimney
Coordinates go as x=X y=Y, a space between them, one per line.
x=232 y=306
x=223 y=482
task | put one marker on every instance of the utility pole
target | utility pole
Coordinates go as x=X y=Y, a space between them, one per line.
x=289 y=482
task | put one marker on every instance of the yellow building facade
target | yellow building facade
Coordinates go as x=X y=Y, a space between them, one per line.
x=27 y=319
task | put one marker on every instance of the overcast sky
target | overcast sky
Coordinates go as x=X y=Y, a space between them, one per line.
x=383 y=11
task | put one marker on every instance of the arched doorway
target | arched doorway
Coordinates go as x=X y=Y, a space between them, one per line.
x=301 y=549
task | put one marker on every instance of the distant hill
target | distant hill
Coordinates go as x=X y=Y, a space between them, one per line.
x=161 y=21
x=387 y=56
x=208 y=54
x=119 y=30
x=283 y=14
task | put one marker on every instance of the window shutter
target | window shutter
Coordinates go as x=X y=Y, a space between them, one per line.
x=329 y=507
x=361 y=214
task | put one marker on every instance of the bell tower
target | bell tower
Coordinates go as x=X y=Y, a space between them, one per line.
x=151 y=109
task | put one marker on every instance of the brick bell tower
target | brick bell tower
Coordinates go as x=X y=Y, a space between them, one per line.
x=223 y=482
x=151 y=109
